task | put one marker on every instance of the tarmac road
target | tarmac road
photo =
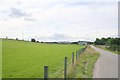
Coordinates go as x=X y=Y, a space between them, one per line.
x=107 y=64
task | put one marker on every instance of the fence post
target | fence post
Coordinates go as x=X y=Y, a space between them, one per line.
x=65 y=68
x=73 y=58
x=45 y=72
x=82 y=49
x=76 y=55
x=78 y=52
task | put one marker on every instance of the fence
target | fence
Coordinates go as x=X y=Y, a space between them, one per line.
x=46 y=75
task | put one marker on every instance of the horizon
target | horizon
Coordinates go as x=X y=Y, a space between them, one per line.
x=51 y=41
x=38 y=40
x=54 y=20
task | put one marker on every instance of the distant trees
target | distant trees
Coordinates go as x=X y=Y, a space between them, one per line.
x=107 y=41
x=6 y=37
x=33 y=40
x=74 y=42
x=98 y=42
x=90 y=43
x=16 y=38
x=37 y=41
x=113 y=43
x=102 y=41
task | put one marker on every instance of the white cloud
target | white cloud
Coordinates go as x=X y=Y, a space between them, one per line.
x=58 y=19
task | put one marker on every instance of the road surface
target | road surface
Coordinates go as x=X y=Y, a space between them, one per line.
x=107 y=65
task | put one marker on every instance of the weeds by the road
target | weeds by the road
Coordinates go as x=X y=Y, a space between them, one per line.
x=84 y=66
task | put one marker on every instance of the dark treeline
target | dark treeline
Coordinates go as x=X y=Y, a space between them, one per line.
x=110 y=43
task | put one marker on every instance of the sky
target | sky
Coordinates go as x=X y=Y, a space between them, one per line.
x=58 y=20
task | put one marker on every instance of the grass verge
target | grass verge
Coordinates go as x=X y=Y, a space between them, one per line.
x=84 y=66
x=105 y=48
x=0 y=58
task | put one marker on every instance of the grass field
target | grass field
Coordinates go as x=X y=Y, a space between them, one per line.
x=26 y=59
x=0 y=58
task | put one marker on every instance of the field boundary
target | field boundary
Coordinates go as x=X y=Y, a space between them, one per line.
x=36 y=69
x=66 y=65
x=0 y=58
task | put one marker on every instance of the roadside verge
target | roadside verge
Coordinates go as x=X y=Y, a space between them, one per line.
x=85 y=64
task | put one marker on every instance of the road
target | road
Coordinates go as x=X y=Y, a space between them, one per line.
x=107 y=64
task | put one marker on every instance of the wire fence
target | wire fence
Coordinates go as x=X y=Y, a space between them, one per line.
x=75 y=55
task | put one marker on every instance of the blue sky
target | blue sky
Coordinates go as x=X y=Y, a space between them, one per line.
x=58 y=20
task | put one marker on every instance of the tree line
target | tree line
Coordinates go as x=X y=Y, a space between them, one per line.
x=110 y=43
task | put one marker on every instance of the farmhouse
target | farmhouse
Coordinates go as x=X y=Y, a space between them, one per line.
x=82 y=42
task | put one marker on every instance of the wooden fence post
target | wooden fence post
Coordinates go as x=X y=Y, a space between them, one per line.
x=73 y=58
x=78 y=52
x=76 y=55
x=65 y=68
x=45 y=72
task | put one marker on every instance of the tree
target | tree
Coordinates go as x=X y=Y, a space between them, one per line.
x=33 y=40
x=98 y=42
x=6 y=37
x=37 y=41
x=103 y=41
x=113 y=43
x=16 y=38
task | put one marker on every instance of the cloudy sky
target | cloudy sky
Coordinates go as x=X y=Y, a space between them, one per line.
x=58 y=20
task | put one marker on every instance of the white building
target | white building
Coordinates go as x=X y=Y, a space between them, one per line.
x=82 y=42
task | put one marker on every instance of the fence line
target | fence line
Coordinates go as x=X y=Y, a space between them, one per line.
x=76 y=56
x=45 y=72
x=73 y=58
x=65 y=68
x=78 y=52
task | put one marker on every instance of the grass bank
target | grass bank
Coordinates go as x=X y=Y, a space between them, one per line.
x=84 y=66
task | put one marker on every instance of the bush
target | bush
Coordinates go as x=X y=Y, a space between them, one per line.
x=33 y=40
x=115 y=47
x=37 y=41
x=16 y=38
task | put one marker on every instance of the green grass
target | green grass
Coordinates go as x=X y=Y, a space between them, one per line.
x=26 y=59
x=85 y=64
x=0 y=58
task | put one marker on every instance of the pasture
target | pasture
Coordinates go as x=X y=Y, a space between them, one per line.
x=26 y=59
x=0 y=58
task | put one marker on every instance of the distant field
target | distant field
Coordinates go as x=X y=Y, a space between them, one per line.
x=26 y=59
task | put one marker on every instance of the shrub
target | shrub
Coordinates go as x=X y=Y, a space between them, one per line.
x=33 y=40
x=16 y=38
x=37 y=41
